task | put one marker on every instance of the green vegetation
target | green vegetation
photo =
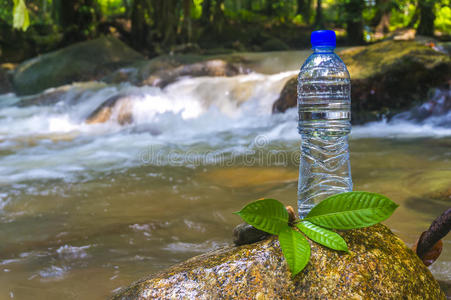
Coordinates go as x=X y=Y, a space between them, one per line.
x=160 y=26
x=21 y=20
x=342 y=211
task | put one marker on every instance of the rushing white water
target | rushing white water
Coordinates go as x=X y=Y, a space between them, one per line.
x=53 y=141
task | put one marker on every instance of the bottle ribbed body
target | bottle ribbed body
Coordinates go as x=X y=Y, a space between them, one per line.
x=324 y=105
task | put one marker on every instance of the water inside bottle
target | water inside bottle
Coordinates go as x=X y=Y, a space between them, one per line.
x=324 y=107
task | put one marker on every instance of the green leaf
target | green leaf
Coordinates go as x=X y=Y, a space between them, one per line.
x=323 y=236
x=295 y=248
x=21 y=20
x=351 y=210
x=267 y=214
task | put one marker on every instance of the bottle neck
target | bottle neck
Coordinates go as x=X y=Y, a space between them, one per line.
x=323 y=49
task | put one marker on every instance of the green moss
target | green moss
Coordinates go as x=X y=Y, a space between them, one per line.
x=367 y=62
x=90 y=60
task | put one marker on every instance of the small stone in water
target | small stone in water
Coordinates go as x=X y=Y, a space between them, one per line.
x=247 y=234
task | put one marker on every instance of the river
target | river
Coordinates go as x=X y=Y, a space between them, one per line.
x=87 y=209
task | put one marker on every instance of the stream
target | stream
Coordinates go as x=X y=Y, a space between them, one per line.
x=87 y=209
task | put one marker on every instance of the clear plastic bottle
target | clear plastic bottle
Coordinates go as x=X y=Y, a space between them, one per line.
x=324 y=105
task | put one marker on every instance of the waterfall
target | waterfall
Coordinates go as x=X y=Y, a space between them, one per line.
x=51 y=139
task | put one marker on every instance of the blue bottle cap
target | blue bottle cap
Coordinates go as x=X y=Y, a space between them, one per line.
x=323 y=38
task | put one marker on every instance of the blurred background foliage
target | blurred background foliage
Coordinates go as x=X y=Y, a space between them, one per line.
x=30 y=27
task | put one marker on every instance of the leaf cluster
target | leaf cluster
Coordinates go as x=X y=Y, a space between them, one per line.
x=342 y=211
x=21 y=20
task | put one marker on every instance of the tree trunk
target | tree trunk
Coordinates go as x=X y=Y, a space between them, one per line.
x=206 y=11
x=139 y=26
x=384 y=23
x=301 y=5
x=427 y=18
x=415 y=17
x=63 y=12
x=248 y=4
x=218 y=16
x=126 y=5
x=354 y=21
x=268 y=8
x=75 y=20
x=354 y=30
x=384 y=14
x=170 y=22
x=236 y=5
x=166 y=21
x=319 y=15
x=187 y=29
x=304 y=9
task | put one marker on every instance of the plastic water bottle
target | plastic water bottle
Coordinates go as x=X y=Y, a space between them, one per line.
x=324 y=105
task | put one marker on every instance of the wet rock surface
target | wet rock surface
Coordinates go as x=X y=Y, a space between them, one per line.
x=164 y=70
x=118 y=107
x=378 y=266
x=288 y=96
x=387 y=78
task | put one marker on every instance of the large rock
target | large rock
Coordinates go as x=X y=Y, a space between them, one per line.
x=166 y=69
x=85 y=61
x=140 y=71
x=215 y=67
x=378 y=266
x=387 y=78
x=69 y=93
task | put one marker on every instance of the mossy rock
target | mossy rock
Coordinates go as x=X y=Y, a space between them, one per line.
x=387 y=78
x=379 y=266
x=85 y=61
